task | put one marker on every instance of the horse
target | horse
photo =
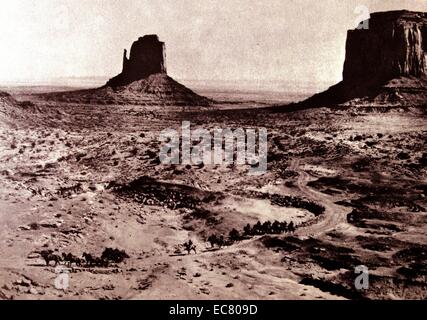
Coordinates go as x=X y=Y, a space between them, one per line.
x=70 y=259
x=189 y=246
x=94 y=261
x=90 y=260
x=49 y=256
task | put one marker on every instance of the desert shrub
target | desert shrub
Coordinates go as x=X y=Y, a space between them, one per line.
x=360 y=165
x=358 y=138
x=26 y=104
x=213 y=239
x=403 y=156
x=114 y=255
x=234 y=236
x=423 y=160
x=371 y=143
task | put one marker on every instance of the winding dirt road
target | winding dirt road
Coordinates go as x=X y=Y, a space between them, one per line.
x=334 y=215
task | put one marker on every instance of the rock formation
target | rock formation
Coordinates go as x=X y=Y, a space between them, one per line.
x=394 y=45
x=6 y=101
x=143 y=81
x=147 y=57
x=8 y=108
x=385 y=64
x=156 y=90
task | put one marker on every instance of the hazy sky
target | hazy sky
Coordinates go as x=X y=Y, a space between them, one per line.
x=294 y=40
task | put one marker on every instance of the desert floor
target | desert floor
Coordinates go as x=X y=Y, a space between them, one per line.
x=64 y=168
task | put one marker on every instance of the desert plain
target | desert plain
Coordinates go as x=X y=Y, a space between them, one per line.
x=81 y=176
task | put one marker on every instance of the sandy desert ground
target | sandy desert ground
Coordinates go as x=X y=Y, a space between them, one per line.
x=80 y=177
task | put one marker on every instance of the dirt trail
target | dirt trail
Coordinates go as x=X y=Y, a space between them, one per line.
x=334 y=215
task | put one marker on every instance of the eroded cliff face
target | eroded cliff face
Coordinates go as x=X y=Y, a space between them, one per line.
x=10 y=111
x=6 y=100
x=394 y=45
x=147 y=57
x=385 y=64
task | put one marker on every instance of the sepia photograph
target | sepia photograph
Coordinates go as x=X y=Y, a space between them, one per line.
x=207 y=150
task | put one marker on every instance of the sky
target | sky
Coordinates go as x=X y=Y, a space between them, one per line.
x=264 y=40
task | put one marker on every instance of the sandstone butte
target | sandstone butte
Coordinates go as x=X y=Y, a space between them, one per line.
x=385 y=64
x=144 y=77
x=147 y=57
x=143 y=81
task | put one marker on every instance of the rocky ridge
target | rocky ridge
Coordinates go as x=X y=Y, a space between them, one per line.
x=155 y=90
x=7 y=107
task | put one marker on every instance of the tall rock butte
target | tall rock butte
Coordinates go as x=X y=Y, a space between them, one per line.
x=385 y=64
x=143 y=81
x=147 y=57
